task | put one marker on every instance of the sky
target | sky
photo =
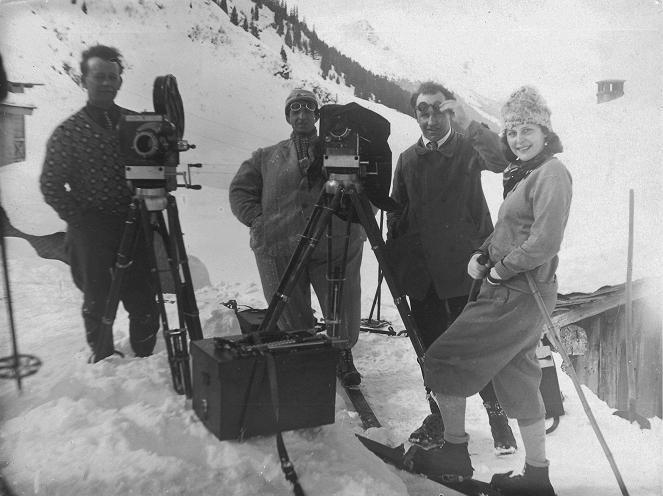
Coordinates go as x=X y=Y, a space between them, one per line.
x=118 y=427
x=561 y=46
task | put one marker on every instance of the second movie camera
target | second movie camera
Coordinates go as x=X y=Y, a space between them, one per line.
x=152 y=141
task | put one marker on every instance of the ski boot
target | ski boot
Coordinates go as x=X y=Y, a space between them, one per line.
x=504 y=442
x=534 y=481
x=346 y=371
x=450 y=462
x=430 y=434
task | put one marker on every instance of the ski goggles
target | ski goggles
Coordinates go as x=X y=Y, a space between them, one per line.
x=297 y=106
x=438 y=107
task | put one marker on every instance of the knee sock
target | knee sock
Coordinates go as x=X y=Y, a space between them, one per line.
x=452 y=409
x=533 y=432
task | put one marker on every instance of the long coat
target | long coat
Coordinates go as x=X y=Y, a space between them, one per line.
x=445 y=216
x=272 y=195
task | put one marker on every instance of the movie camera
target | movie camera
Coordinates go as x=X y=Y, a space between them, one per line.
x=356 y=151
x=151 y=143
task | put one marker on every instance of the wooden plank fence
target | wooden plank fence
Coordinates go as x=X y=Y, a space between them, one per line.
x=593 y=330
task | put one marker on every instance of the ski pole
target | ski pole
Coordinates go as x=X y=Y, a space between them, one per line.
x=476 y=283
x=553 y=335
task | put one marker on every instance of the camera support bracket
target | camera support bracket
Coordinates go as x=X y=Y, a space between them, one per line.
x=337 y=190
x=148 y=218
x=151 y=143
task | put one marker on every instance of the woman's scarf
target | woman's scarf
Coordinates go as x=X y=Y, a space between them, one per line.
x=309 y=155
x=517 y=171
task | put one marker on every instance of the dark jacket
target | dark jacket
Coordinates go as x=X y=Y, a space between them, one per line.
x=271 y=194
x=445 y=216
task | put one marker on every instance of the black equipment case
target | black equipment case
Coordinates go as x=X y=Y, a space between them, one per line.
x=231 y=383
x=250 y=319
x=550 y=392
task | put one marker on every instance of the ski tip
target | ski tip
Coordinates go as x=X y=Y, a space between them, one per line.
x=505 y=451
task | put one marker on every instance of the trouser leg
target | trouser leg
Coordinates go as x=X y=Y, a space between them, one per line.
x=488 y=394
x=297 y=313
x=433 y=316
x=138 y=295
x=350 y=307
x=430 y=315
x=91 y=247
x=455 y=307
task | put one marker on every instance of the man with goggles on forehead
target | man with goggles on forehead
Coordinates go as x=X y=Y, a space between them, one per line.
x=445 y=218
x=274 y=193
x=297 y=106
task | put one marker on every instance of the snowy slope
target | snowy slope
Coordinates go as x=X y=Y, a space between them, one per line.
x=118 y=427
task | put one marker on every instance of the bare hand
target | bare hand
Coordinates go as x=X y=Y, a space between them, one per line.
x=458 y=114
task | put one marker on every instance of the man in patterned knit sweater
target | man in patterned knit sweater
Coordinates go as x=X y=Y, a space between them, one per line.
x=83 y=180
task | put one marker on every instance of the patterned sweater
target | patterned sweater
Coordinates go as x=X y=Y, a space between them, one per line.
x=84 y=170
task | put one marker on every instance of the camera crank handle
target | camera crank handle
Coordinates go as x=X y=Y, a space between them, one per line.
x=187 y=177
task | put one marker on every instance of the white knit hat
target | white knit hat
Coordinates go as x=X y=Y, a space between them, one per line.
x=525 y=106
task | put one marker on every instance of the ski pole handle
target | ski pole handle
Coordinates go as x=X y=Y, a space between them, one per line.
x=476 y=284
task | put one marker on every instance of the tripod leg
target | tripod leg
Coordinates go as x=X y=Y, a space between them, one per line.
x=176 y=339
x=104 y=346
x=314 y=231
x=187 y=293
x=336 y=278
x=363 y=208
x=377 y=299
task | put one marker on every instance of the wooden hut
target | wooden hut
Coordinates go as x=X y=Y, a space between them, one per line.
x=12 y=125
x=593 y=334
x=609 y=89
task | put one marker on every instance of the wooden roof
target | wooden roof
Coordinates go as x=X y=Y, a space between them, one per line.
x=577 y=306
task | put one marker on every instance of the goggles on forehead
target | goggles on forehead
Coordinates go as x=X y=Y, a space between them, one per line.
x=297 y=106
x=438 y=107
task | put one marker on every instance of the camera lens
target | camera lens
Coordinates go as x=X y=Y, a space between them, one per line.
x=146 y=143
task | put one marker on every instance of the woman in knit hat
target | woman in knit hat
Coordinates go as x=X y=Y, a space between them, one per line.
x=495 y=338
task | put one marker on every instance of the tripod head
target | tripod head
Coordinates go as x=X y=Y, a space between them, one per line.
x=151 y=143
x=356 y=151
x=342 y=158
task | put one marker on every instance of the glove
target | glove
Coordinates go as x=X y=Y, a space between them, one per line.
x=475 y=268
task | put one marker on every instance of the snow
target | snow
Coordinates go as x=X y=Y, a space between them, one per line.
x=118 y=427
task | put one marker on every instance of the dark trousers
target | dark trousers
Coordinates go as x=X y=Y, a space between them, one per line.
x=298 y=314
x=433 y=316
x=92 y=246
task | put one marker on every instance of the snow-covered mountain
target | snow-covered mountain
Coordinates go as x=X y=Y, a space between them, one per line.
x=233 y=92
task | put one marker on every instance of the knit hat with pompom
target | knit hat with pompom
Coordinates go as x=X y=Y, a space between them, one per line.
x=525 y=106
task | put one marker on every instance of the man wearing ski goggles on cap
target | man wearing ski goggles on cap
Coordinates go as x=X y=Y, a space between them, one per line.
x=297 y=106
x=274 y=193
x=445 y=218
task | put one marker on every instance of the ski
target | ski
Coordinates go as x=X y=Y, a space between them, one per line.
x=396 y=457
x=362 y=407
x=378 y=327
